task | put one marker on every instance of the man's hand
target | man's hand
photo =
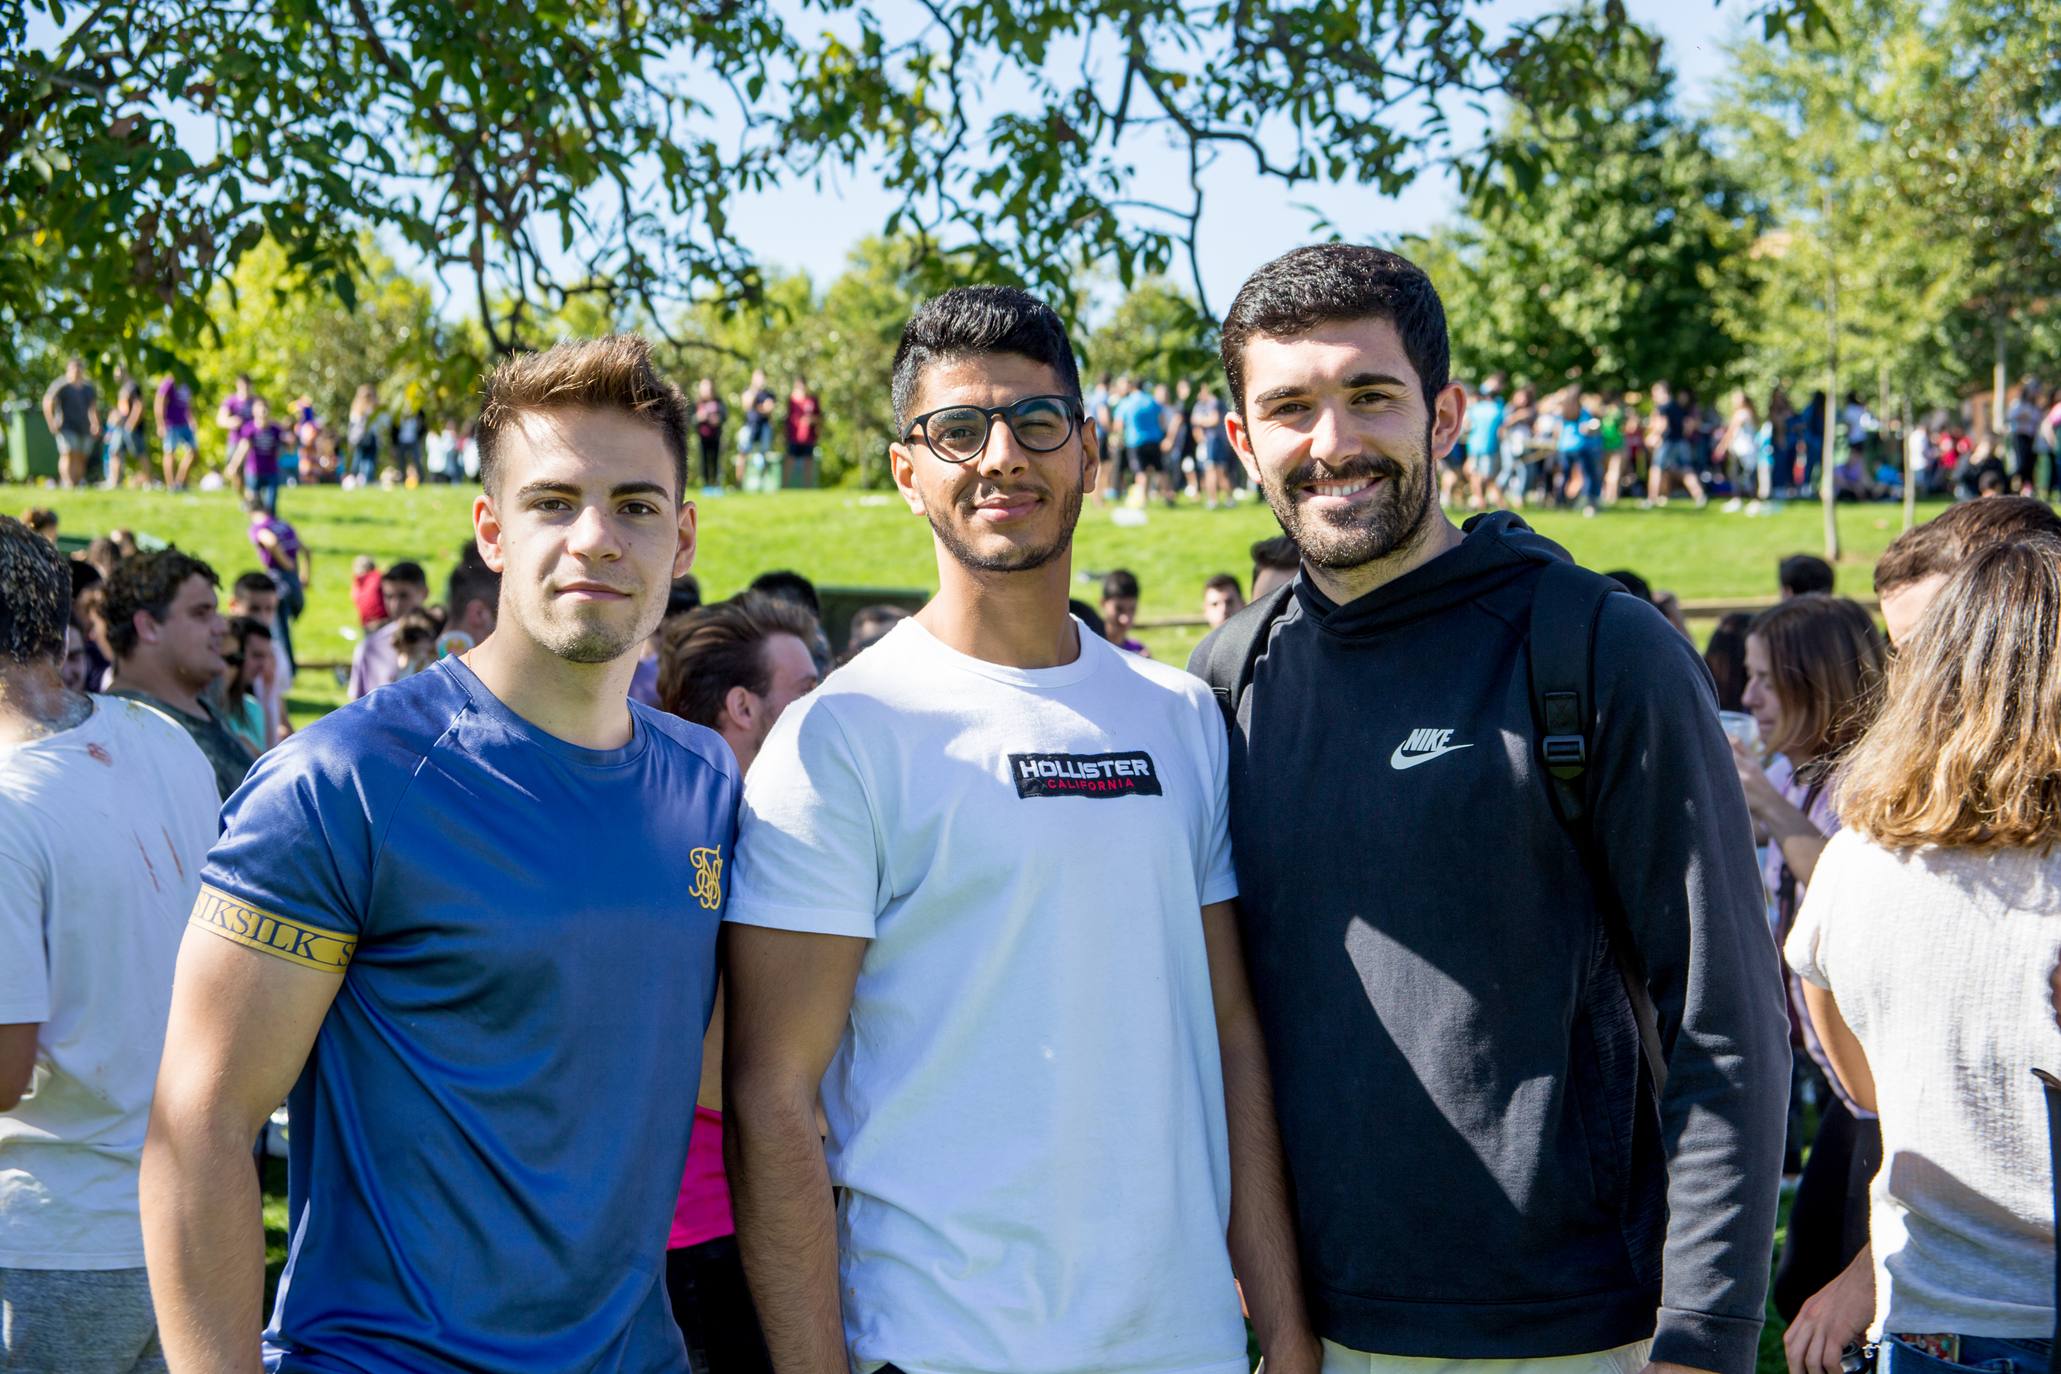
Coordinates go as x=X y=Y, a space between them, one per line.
x=1832 y=1318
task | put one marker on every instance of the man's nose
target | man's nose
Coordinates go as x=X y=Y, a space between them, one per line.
x=592 y=535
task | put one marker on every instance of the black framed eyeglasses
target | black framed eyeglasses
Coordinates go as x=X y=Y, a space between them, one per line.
x=959 y=434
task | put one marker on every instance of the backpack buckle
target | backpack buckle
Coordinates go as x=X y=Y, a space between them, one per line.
x=1564 y=751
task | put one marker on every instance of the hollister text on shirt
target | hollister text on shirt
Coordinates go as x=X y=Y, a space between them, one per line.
x=1128 y=774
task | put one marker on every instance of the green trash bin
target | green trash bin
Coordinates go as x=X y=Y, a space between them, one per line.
x=31 y=447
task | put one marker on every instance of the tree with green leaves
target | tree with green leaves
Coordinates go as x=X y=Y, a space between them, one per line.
x=1604 y=245
x=1155 y=332
x=294 y=339
x=550 y=151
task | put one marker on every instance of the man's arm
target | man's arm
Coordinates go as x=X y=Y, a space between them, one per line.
x=17 y=1061
x=304 y=567
x=1669 y=822
x=1262 y=1234
x=787 y=996
x=241 y=1026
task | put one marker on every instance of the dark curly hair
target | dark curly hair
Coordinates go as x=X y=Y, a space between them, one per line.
x=1307 y=287
x=35 y=596
x=147 y=582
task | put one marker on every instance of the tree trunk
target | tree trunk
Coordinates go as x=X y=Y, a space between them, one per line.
x=1910 y=468
x=1828 y=467
x=1998 y=380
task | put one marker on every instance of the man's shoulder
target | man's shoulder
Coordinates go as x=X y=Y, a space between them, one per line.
x=1241 y=627
x=394 y=726
x=1151 y=674
x=702 y=746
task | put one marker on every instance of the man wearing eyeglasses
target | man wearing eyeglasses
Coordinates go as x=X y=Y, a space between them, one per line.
x=984 y=901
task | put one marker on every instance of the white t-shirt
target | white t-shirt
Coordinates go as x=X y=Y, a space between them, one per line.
x=103 y=830
x=1027 y=1111
x=1939 y=960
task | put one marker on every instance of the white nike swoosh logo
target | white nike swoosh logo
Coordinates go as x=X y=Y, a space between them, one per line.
x=1400 y=760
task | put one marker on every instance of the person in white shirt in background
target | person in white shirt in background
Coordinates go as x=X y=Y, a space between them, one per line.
x=107 y=810
x=1049 y=1111
x=1930 y=949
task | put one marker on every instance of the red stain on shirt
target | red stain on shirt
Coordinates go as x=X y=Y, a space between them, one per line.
x=147 y=863
x=173 y=850
x=99 y=755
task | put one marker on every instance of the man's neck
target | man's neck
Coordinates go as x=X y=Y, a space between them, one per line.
x=741 y=744
x=581 y=703
x=156 y=680
x=1439 y=535
x=34 y=703
x=1015 y=619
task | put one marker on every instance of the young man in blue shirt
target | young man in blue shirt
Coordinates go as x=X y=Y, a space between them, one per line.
x=469 y=921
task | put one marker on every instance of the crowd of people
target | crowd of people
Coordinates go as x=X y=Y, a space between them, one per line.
x=1072 y=1010
x=1164 y=442
x=1575 y=447
x=256 y=447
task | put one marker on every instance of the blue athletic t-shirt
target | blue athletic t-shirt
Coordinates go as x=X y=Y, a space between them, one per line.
x=487 y=1140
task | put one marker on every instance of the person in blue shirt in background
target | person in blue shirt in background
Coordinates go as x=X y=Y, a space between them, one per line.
x=470 y=922
x=1581 y=449
x=1484 y=443
x=1143 y=419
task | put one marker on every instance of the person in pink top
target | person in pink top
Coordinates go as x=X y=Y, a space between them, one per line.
x=804 y=419
x=733 y=666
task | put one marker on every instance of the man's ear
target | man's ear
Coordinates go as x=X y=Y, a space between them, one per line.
x=1091 y=454
x=740 y=706
x=486 y=531
x=683 y=557
x=1448 y=414
x=902 y=464
x=1241 y=444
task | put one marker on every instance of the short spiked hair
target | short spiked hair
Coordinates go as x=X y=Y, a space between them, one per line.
x=972 y=321
x=615 y=373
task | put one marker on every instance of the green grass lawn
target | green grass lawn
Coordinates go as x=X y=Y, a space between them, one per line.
x=850 y=538
x=868 y=539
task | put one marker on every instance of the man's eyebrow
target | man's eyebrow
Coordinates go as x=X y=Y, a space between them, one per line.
x=548 y=487
x=1353 y=383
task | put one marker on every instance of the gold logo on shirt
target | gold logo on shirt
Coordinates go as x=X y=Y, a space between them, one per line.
x=708 y=876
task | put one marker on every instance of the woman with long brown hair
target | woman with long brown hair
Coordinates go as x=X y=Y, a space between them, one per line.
x=1929 y=948
x=1814 y=667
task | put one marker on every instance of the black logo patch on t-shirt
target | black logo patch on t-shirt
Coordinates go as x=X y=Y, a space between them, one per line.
x=1129 y=774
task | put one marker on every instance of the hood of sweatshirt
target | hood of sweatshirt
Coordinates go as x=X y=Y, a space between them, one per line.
x=1498 y=548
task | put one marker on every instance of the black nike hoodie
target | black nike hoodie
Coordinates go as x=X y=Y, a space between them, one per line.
x=1478 y=1166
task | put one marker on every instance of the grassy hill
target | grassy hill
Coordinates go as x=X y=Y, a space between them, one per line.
x=851 y=538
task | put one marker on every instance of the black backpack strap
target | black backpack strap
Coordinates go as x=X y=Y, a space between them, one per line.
x=1564 y=610
x=1227 y=658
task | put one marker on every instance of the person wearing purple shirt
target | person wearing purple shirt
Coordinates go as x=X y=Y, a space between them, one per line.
x=255 y=454
x=174 y=407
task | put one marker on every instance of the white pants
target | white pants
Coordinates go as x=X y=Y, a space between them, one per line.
x=1626 y=1359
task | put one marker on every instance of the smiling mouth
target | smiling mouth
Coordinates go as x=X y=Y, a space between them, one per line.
x=1340 y=488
